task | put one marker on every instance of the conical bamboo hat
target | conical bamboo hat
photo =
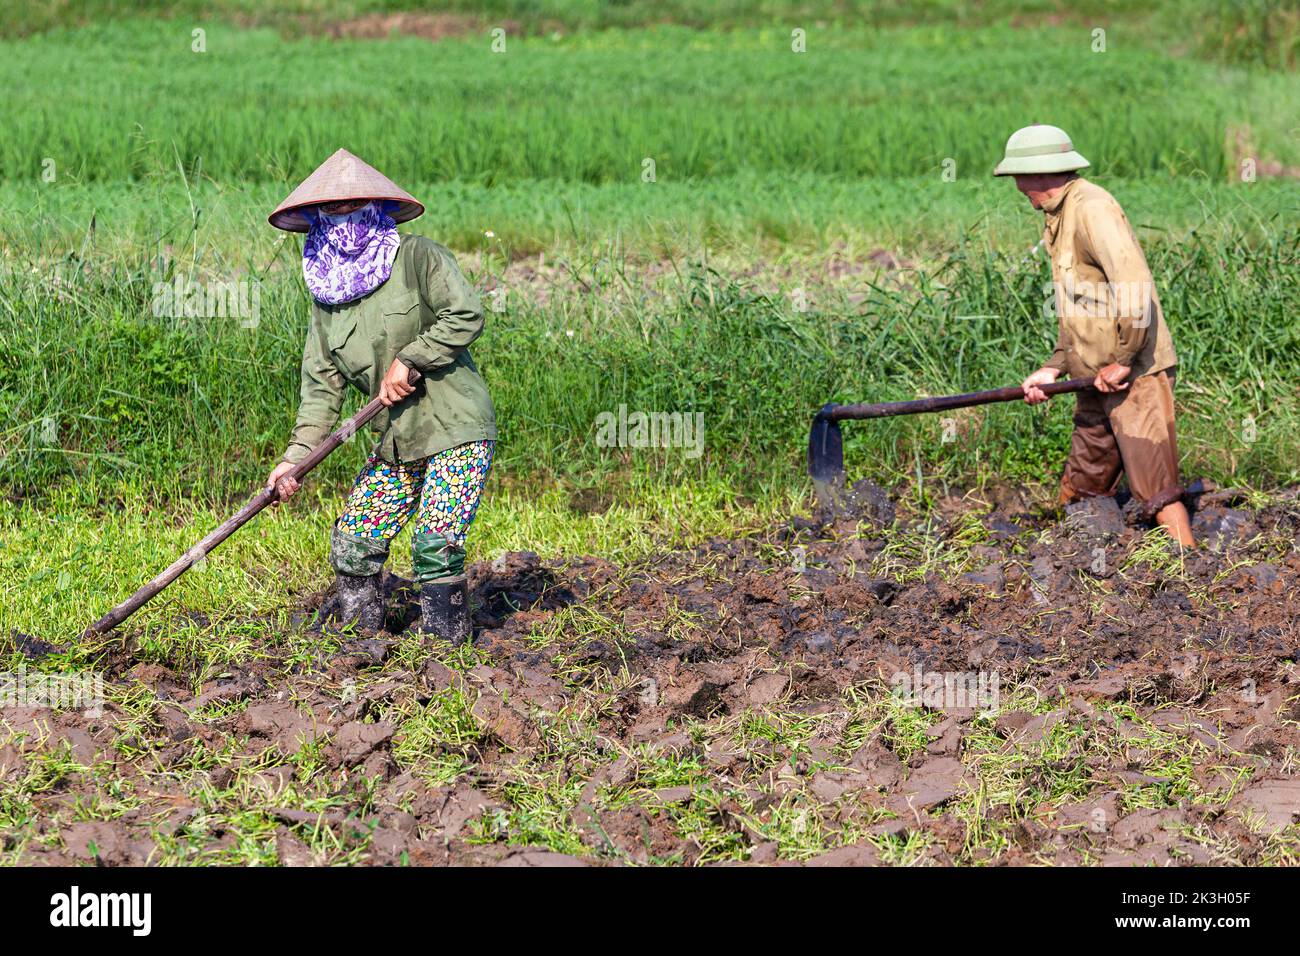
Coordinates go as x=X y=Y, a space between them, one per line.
x=342 y=177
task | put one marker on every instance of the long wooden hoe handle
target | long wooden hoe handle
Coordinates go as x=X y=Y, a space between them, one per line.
x=1011 y=393
x=232 y=524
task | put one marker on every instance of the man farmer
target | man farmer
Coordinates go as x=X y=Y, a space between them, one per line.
x=1110 y=328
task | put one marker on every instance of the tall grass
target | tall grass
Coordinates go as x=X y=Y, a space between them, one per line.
x=201 y=408
x=773 y=215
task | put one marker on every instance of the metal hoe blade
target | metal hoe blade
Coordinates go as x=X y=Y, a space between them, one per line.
x=826 y=458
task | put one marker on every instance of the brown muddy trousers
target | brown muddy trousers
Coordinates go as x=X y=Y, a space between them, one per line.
x=1109 y=312
x=1130 y=432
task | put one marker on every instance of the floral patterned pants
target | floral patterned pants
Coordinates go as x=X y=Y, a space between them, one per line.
x=442 y=491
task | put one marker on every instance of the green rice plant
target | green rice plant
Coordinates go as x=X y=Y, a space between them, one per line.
x=130 y=100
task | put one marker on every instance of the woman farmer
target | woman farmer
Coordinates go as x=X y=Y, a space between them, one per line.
x=382 y=305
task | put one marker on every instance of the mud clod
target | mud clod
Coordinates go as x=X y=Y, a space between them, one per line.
x=1094 y=517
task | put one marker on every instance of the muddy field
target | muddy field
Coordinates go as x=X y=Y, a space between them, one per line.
x=776 y=699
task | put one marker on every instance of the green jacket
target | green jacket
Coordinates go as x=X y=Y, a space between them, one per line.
x=427 y=315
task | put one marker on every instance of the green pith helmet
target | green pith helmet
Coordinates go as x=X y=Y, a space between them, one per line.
x=1039 y=149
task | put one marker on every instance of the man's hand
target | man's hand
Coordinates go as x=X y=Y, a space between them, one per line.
x=1111 y=378
x=1044 y=376
x=395 y=387
x=285 y=487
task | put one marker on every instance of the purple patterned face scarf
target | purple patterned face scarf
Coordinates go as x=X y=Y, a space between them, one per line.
x=347 y=256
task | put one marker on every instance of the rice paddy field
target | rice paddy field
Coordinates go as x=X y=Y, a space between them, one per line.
x=743 y=209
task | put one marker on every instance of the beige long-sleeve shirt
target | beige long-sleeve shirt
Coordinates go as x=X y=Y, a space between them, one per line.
x=1106 y=302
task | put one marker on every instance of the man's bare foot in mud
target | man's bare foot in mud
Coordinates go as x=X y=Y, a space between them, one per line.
x=1174 y=519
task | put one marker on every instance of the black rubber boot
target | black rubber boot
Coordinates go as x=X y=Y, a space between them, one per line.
x=357 y=604
x=444 y=610
x=357 y=601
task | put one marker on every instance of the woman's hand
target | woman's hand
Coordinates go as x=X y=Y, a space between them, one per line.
x=1044 y=376
x=285 y=487
x=395 y=386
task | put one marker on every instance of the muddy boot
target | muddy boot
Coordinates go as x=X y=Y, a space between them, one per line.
x=358 y=601
x=444 y=610
x=360 y=605
x=444 y=595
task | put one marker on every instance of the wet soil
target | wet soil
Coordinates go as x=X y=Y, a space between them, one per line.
x=742 y=702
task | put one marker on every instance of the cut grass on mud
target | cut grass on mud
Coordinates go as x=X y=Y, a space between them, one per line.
x=61 y=567
x=645 y=714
